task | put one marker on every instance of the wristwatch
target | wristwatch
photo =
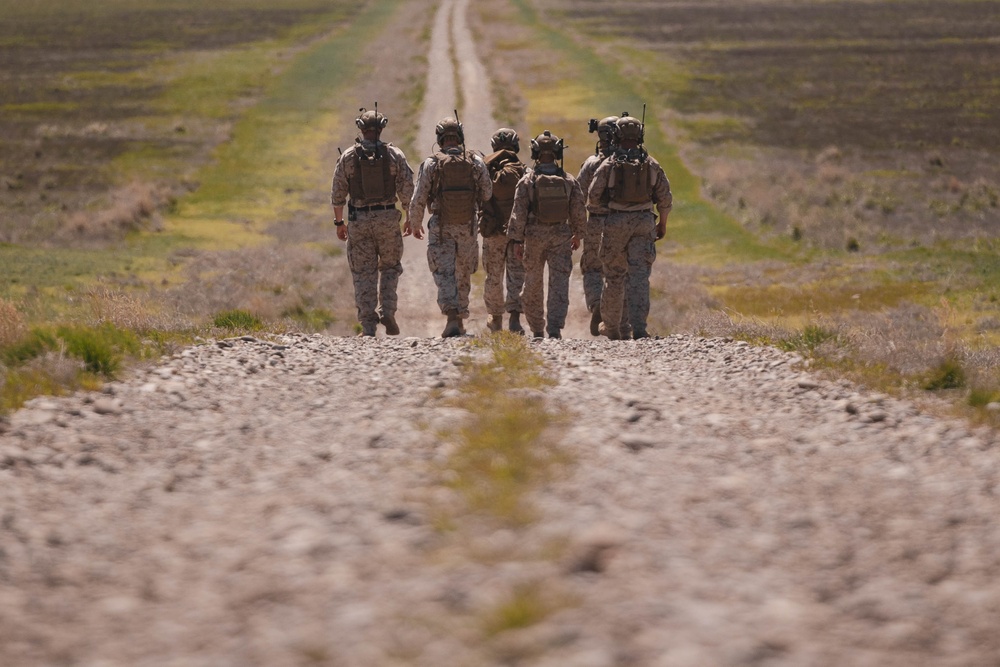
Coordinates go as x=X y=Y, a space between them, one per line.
x=338 y=223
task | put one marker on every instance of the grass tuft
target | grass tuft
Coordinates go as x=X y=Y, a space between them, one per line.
x=507 y=446
x=12 y=325
x=949 y=374
x=524 y=607
x=238 y=321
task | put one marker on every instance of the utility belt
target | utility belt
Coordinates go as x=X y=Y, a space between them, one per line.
x=629 y=208
x=353 y=210
x=533 y=220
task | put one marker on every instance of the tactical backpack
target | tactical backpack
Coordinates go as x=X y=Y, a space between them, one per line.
x=373 y=179
x=455 y=187
x=505 y=171
x=631 y=181
x=551 y=205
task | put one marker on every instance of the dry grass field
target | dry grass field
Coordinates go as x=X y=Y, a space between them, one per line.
x=856 y=139
x=172 y=159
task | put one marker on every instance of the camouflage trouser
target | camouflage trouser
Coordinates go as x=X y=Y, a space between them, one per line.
x=453 y=256
x=628 y=249
x=547 y=245
x=590 y=261
x=374 y=251
x=501 y=264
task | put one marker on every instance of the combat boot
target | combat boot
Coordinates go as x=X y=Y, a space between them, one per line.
x=454 y=325
x=639 y=332
x=611 y=333
x=367 y=329
x=389 y=322
x=554 y=332
x=495 y=323
x=595 y=321
x=515 y=323
x=537 y=334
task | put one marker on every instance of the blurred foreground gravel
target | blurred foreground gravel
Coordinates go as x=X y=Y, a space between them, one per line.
x=278 y=503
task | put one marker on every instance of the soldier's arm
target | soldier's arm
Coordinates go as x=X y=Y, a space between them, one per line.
x=599 y=184
x=418 y=202
x=340 y=187
x=586 y=175
x=404 y=178
x=483 y=181
x=577 y=209
x=519 y=214
x=663 y=199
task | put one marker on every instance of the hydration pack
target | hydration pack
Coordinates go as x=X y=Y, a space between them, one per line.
x=632 y=180
x=505 y=171
x=551 y=205
x=373 y=179
x=455 y=187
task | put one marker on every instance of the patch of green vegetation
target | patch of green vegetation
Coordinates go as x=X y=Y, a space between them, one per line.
x=238 y=321
x=594 y=84
x=41 y=108
x=948 y=374
x=526 y=606
x=980 y=397
x=506 y=447
x=311 y=319
x=273 y=157
x=807 y=340
x=828 y=298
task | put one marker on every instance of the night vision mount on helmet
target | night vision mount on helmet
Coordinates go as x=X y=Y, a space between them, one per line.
x=605 y=129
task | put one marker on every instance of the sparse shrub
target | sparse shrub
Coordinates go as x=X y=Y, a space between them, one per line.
x=807 y=340
x=238 y=320
x=980 y=397
x=796 y=233
x=853 y=245
x=948 y=374
x=524 y=607
x=311 y=319
x=101 y=349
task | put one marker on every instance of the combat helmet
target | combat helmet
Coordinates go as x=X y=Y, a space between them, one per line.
x=371 y=120
x=629 y=128
x=505 y=138
x=546 y=142
x=605 y=129
x=449 y=127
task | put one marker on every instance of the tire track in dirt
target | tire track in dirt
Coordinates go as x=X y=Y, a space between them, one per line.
x=452 y=42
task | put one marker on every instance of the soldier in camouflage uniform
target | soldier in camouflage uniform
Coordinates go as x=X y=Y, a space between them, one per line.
x=590 y=262
x=453 y=183
x=369 y=178
x=506 y=170
x=545 y=226
x=632 y=183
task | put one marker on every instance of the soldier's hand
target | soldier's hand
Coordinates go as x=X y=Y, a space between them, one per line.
x=519 y=251
x=407 y=230
x=661 y=230
x=418 y=231
x=342 y=232
x=574 y=242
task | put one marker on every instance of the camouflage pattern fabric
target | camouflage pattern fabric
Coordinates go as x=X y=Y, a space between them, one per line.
x=452 y=250
x=628 y=249
x=425 y=179
x=398 y=167
x=503 y=269
x=452 y=257
x=546 y=244
x=660 y=195
x=590 y=260
x=374 y=251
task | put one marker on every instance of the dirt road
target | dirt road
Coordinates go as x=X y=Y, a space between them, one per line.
x=269 y=503
x=452 y=38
